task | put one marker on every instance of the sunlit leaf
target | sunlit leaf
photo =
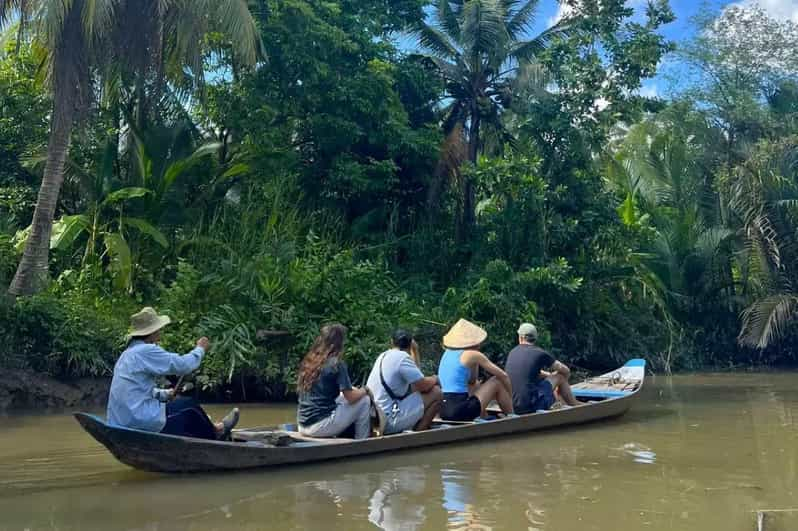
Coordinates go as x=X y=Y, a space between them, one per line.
x=66 y=230
x=120 y=263
x=124 y=194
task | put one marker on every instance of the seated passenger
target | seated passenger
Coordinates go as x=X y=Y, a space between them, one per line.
x=136 y=402
x=407 y=398
x=328 y=404
x=463 y=397
x=533 y=387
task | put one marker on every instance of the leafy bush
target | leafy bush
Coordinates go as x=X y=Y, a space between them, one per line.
x=8 y=259
x=59 y=335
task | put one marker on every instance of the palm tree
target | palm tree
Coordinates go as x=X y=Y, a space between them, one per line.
x=481 y=50
x=685 y=260
x=69 y=30
x=764 y=192
x=150 y=39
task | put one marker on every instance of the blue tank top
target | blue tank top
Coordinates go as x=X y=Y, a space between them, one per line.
x=452 y=374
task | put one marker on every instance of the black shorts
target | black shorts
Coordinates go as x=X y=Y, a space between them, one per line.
x=460 y=406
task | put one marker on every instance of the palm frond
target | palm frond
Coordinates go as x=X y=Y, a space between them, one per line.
x=435 y=41
x=527 y=50
x=531 y=77
x=10 y=10
x=449 y=71
x=98 y=18
x=711 y=240
x=455 y=116
x=237 y=23
x=454 y=152
x=447 y=19
x=484 y=31
x=7 y=34
x=522 y=20
x=765 y=320
x=51 y=19
x=790 y=205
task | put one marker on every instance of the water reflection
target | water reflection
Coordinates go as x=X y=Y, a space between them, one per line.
x=399 y=502
x=638 y=452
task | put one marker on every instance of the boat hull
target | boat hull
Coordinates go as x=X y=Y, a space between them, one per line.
x=167 y=453
x=610 y=395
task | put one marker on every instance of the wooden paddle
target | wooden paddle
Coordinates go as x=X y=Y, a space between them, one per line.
x=177 y=386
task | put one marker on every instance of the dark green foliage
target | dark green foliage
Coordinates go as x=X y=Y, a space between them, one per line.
x=328 y=184
x=60 y=334
x=24 y=107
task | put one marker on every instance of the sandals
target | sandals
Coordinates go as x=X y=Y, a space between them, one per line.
x=228 y=423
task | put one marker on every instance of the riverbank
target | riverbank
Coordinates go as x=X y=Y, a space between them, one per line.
x=24 y=390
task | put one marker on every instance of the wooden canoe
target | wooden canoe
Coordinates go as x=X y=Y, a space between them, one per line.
x=609 y=395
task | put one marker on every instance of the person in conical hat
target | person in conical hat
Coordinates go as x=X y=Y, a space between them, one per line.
x=135 y=401
x=464 y=398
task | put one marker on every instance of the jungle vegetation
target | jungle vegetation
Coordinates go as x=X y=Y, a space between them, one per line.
x=257 y=168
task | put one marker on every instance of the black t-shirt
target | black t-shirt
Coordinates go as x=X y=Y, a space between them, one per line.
x=318 y=402
x=523 y=366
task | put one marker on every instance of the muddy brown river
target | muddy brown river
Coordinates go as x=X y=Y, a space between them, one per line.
x=703 y=452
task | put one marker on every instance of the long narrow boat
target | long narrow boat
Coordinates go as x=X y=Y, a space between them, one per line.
x=609 y=395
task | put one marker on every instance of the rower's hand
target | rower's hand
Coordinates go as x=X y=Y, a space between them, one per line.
x=204 y=343
x=170 y=394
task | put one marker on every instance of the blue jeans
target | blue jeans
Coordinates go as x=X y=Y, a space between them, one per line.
x=545 y=398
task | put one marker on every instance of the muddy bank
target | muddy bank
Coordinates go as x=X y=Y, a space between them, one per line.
x=26 y=390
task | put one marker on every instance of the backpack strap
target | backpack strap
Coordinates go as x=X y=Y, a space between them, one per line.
x=387 y=388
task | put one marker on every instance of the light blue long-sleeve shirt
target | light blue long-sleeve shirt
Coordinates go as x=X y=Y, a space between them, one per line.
x=135 y=401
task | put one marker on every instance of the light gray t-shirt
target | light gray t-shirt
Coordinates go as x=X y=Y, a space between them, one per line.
x=399 y=371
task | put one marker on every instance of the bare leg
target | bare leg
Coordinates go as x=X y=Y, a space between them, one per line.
x=491 y=389
x=432 y=405
x=560 y=384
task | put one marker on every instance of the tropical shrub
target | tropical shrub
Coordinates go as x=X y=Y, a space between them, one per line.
x=62 y=335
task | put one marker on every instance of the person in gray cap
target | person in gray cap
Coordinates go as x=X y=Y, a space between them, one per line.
x=533 y=386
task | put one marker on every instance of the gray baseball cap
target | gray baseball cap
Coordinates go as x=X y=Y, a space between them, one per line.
x=528 y=330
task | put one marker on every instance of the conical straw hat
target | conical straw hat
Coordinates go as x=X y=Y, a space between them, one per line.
x=464 y=334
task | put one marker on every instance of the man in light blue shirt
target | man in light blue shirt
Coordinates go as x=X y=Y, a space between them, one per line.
x=408 y=399
x=135 y=401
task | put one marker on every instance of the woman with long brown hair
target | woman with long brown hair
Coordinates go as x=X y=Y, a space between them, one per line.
x=328 y=404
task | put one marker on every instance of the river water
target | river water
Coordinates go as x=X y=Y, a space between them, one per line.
x=701 y=452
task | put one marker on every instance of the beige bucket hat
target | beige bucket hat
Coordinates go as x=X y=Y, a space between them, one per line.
x=464 y=334
x=146 y=322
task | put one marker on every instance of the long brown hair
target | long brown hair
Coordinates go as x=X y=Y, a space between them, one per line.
x=415 y=353
x=329 y=343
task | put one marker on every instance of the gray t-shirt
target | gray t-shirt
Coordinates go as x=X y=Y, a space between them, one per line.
x=399 y=371
x=318 y=402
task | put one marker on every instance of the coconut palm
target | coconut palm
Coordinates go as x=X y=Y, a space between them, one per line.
x=481 y=49
x=149 y=40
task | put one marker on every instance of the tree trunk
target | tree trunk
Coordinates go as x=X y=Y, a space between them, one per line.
x=32 y=272
x=469 y=193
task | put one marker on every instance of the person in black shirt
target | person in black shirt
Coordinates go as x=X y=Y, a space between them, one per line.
x=533 y=386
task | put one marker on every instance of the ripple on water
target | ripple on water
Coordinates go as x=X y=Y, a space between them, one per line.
x=638 y=452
